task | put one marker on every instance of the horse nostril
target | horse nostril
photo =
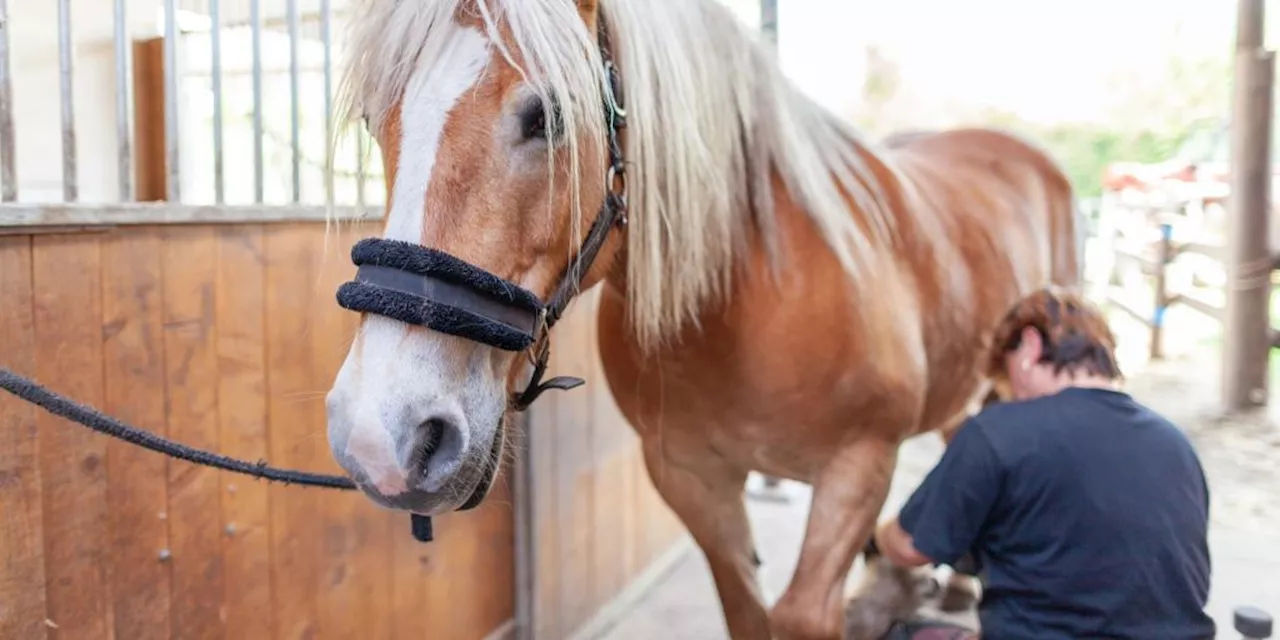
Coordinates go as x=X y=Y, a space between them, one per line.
x=430 y=433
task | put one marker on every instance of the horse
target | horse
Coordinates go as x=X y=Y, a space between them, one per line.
x=779 y=293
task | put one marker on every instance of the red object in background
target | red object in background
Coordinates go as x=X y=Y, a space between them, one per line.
x=1203 y=160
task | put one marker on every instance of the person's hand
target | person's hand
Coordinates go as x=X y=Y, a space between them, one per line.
x=896 y=545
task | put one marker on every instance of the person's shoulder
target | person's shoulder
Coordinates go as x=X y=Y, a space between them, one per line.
x=1074 y=409
x=1000 y=417
x=1161 y=426
x=1015 y=428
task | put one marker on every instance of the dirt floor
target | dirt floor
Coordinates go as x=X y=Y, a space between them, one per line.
x=1241 y=457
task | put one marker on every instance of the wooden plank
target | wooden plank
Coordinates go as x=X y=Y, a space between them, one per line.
x=148 y=119
x=294 y=438
x=134 y=375
x=22 y=574
x=68 y=322
x=191 y=385
x=440 y=595
x=1116 y=303
x=638 y=488
x=472 y=554
x=242 y=430
x=1191 y=302
x=353 y=595
x=47 y=217
x=544 y=425
x=410 y=576
x=630 y=523
x=495 y=578
x=608 y=510
x=1146 y=264
x=1215 y=252
x=39 y=230
x=576 y=479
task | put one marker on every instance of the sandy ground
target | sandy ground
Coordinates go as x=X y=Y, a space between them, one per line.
x=1241 y=458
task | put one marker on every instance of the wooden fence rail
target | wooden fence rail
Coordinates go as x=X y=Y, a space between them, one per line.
x=1153 y=261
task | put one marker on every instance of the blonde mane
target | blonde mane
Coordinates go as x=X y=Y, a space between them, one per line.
x=710 y=117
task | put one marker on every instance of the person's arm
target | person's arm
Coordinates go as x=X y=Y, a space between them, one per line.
x=897 y=546
x=943 y=518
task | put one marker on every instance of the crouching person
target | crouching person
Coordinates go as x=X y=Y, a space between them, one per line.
x=1086 y=511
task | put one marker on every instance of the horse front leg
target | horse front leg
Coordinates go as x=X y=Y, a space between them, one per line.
x=705 y=492
x=847 y=497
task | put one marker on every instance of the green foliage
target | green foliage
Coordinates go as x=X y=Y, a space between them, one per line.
x=1085 y=149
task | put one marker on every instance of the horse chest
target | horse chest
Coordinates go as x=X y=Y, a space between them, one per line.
x=782 y=416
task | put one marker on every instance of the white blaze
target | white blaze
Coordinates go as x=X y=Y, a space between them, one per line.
x=387 y=350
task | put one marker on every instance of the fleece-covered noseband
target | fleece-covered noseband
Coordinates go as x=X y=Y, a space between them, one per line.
x=430 y=288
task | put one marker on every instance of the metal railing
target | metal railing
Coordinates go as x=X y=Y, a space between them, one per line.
x=175 y=108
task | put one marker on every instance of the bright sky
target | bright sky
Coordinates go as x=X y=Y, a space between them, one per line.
x=1037 y=58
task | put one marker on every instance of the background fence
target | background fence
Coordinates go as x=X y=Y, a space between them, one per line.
x=1163 y=254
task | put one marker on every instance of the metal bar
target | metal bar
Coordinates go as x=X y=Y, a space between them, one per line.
x=173 y=189
x=291 y=11
x=8 y=161
x=215 y=46
x=255 y=20
x=326 y=37
x=70 y=185
x=124 y=152
x=1246 y=328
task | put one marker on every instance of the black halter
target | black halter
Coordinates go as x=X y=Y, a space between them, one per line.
x=428 y=287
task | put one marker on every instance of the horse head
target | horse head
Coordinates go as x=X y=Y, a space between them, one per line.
x=495 y=134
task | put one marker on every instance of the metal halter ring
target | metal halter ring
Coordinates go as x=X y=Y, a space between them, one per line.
x=616 y=178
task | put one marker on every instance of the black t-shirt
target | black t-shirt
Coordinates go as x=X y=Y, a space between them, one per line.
x=1087 y=512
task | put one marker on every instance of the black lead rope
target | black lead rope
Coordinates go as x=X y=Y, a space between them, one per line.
x=64 y=407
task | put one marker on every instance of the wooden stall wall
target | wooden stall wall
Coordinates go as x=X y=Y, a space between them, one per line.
x=225 y=338
x=598 y=525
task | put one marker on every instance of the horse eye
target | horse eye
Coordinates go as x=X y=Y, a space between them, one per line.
x=533 y=121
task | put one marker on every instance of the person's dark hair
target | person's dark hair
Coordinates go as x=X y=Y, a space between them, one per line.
x=1074 y=332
